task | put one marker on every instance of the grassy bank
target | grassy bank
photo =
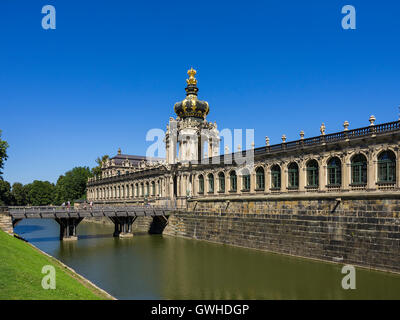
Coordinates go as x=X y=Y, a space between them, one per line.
x=21 y=277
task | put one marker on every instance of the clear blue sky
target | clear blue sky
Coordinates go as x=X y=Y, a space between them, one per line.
x=112 y=70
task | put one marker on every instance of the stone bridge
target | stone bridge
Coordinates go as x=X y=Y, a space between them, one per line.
x=69 y=218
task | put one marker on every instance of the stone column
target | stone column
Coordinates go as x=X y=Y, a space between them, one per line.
x=322 y=176
x=227 y=182
x=267 y=171
x=215 y=178
x=179 y=186
x=184 y=184
x=284 y=177
x=171 y=187
x=302 y=176
x=253 y=181
x=371 y=174
x=398 y=169
x=195 y=185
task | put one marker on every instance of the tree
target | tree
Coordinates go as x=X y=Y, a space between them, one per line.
x=5 y=193
x=3 y=153
x=96 y=171
x=19 y=194
x=72 y=185
x=40 y=193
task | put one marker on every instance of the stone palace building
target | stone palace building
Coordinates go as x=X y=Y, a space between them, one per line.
x=346 y=163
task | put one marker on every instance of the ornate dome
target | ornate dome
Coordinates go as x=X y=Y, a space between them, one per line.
x=191 y=106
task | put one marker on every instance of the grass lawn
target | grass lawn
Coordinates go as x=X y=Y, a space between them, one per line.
x=21 y=276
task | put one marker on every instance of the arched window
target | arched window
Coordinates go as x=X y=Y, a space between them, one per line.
x=387 y=167
x=221 y=180
x=275 y=177
x=122 y=192
x=142 y=189
x=201 y=184
x=359 y=169
x=293 y=176
x=334 y=172
x=210 y=183
x=312 y=173
x=233 y=180
x=147 y=189
x=260 y=179
x=137 y=190
x=153 y=188
x=245 y=181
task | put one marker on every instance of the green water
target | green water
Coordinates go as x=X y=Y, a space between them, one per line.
x=164 y=267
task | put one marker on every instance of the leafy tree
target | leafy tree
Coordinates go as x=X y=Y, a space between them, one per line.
x=19 y=194
x=96 y=171
x=40 y=193
x=72 y=185
x=3 y=153
x=5 y=193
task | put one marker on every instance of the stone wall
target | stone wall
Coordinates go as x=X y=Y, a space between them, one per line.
x=6 y=221
x=362 y=232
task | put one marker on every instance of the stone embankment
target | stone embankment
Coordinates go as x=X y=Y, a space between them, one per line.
x=6 y=221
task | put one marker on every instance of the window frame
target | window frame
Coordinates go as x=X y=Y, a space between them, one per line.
x=359 y=170
x=221 y=182
x=260 y=179
x=233 y=181
x=246 y=184
x=201 y=184
x=387 y=167
x=312 y=174
x=293 y=174
x=276 y=177
x=334 y=172
x=211 y=186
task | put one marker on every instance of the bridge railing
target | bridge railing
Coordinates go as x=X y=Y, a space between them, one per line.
x=95 y=211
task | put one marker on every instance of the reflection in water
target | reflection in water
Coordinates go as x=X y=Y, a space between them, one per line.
x=163 y=267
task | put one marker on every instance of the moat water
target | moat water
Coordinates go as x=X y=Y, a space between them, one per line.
x=165 y=267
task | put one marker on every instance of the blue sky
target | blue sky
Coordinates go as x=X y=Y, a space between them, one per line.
x=112 y=70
